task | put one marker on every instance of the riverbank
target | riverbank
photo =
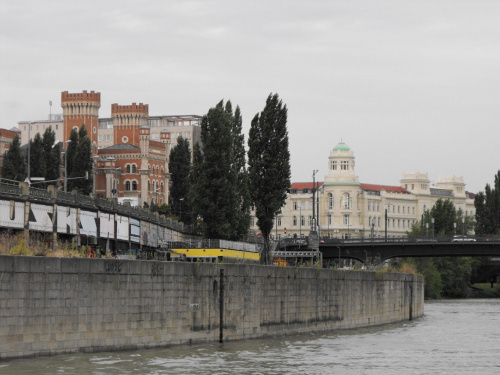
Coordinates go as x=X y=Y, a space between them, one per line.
x=63 y=305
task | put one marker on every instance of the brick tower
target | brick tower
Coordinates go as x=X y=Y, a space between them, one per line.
x=81 y=108
x=127 y=120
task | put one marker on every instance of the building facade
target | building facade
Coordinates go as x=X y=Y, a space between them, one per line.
x=130 y=148
x=347 y=208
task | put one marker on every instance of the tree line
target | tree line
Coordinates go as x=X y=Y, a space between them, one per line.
x=46 y=161
x=216 y=192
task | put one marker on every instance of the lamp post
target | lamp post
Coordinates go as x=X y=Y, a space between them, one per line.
x=313 y=223
x=432 y=220
x=454 y=228
x=66 y=165
x=463 y=227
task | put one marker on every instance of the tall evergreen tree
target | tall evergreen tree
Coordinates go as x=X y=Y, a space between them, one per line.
x=82 y=164
x=14 y=166
x=52 y=155
x=179 y=166
x=242 y=223
x=269 y=166
x=37 y=158
x=214 y=196
x=194 y=177
x=69 y=155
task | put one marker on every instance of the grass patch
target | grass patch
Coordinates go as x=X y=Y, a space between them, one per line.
x=487 y=287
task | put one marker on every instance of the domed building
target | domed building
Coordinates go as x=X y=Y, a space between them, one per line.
x=345 y=208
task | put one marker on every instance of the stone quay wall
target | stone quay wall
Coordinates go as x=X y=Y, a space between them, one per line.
x=61 y=305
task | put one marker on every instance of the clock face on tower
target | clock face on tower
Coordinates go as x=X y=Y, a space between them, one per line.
x=124 y=139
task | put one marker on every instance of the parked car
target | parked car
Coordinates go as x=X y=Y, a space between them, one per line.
x=463 y=239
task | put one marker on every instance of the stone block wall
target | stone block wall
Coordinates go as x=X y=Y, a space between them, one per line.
x=60 y=305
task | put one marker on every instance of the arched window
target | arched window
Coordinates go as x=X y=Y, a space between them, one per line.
x=149 y=185
x=346 y=201
x=161 y=187
x=134 y=168
x=330 y=201
x=127 y=185
x=128 y=168
x=134 y=185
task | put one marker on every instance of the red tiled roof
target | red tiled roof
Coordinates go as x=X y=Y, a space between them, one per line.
x=470 y=195
x=304 y=185
x=389 y=189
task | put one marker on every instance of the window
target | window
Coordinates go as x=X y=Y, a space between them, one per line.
x=369 y=206
x=128 y=168
x=134 y=168
x=412 y=186
x=295 y=205
x=346 y=220
x=378 y=224
x=279 y=222
x=346 y=201
x=127 y=185
x=295 y=220
x=329 y=219
x=378 y=206
x=134 y=185
x=309 y=220
x=344 y=165
x=330 y=201
x=302 y=220
x=333 y=165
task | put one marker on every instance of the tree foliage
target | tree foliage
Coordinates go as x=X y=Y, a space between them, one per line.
x=215 y=194
x=243 y=203
x=52 y=154
x=14 y=166
x=179 y=166
x=487 y=206
x=81 y=163
x=269 y=165
x=37 y=157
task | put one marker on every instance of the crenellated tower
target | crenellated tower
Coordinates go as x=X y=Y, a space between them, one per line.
x=127 y=121
x=78 y=109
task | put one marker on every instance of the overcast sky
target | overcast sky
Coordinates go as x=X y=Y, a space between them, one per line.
x=408 y=85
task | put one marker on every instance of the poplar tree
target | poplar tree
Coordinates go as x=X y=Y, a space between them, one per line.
x=14 y=165
x=243 y=203
x=79 y=163
x=37 y=158
x=52 y=155
x=269 y=166
x=179 y=166
x=214 y=196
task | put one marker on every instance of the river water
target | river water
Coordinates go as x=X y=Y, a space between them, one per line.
x=454 y=337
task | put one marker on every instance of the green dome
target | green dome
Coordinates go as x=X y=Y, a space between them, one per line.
x=341 y=147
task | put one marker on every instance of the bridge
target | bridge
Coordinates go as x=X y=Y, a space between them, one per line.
x=379 y=250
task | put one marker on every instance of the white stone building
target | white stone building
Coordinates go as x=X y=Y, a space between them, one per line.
x=348 y=208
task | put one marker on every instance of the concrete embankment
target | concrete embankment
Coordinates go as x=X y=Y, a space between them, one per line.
x=59 y=305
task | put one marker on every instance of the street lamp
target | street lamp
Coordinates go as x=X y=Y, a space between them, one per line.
x=432 y=220
x=180 y=213
x=313 y=226
x=66 y=166
x=463 y=227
